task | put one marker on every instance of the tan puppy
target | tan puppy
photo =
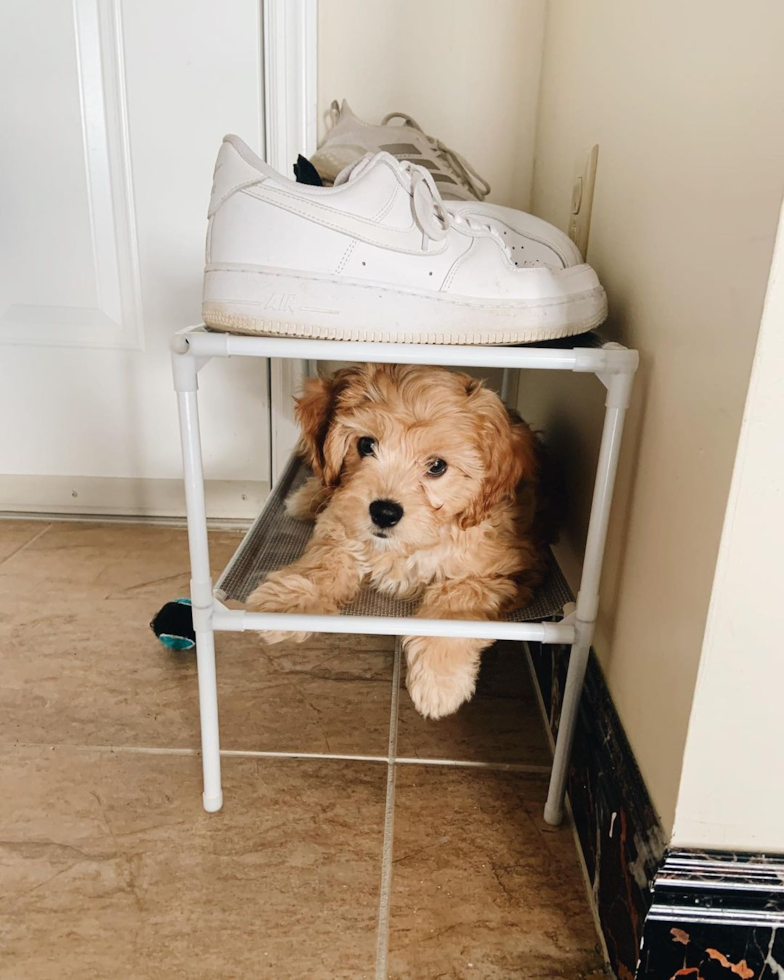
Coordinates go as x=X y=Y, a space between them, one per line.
x=424 y=485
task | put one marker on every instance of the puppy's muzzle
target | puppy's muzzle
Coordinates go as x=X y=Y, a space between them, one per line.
x=385 y=513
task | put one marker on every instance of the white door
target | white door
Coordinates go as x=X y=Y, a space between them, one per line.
x=113 y=112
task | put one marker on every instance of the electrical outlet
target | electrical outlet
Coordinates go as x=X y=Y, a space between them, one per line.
x=582 y=197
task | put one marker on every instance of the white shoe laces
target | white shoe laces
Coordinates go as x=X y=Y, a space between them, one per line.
x=480 y=226
x=457 y=164
x=430 y=213
x=428 y=209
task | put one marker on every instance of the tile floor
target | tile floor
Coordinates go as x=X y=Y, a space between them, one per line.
x=316 y=867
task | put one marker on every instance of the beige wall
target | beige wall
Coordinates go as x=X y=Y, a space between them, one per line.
x=685 y=101
x=466 y=71
x=732 y=788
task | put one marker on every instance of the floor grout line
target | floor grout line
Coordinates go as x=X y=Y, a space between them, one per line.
x=385 y=890
x=26 y=545
x=238 y=524
x=241 y=753
x=271 y=754
x=532 y=769
x=227 y=753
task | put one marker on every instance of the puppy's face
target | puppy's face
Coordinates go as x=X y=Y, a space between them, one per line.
x=408 y=451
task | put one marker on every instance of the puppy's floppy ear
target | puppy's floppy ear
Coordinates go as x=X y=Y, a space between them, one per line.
x=314 y=411
x=509 y=449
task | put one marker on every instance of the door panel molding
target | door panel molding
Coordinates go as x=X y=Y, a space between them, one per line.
x=115 y=321
x=290 y=45
x=290 y=42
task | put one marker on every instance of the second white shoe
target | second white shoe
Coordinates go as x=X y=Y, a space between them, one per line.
x=376 y=257
x=400 y=135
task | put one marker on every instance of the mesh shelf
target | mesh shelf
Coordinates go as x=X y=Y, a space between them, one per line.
x=276 y=540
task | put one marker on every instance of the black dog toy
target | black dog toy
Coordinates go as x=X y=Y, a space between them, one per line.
x=173 y=625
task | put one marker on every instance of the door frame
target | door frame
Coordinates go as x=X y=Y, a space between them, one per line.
x=290 y=49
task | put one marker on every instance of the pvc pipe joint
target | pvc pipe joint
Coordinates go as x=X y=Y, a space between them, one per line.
x=185 y=370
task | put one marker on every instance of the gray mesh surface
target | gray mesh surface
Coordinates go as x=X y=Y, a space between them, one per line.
x=276 y=540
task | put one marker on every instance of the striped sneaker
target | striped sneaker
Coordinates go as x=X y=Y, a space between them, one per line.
x=349 y=138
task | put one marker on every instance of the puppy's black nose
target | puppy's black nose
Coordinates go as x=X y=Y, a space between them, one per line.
x=385 y=513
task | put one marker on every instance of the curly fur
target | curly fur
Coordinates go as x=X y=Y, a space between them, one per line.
x=469 y=541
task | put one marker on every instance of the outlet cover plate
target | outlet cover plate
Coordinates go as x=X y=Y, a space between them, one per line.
x=582 y=197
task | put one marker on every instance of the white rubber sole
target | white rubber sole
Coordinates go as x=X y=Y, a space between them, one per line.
x=274 y=302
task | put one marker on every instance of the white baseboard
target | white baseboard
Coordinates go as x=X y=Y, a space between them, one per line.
x=125 y=496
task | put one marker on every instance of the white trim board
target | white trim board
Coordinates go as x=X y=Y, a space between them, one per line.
x=226 y=499
x=116 y=321
x=290 y=46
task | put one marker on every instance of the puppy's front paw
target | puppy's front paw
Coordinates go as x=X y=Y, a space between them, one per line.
x=289 y=594
x=441 y=673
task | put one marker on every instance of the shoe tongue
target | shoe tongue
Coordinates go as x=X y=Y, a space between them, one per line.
x=353 y=170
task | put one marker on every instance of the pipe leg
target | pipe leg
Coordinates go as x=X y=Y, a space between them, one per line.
x=618 y=390
x=578 y=661
x=185 y=382
x=208 y=713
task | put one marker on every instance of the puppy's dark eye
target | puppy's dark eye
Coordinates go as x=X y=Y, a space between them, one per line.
x=366 y=446
x=437 y=468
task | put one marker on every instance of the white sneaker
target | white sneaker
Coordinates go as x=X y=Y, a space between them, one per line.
x=377 y=257
x=349 y=139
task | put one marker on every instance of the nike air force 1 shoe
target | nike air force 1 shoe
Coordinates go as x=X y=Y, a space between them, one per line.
x=377 y=257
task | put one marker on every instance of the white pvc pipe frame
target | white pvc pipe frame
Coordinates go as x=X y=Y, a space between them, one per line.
x=612 y=364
